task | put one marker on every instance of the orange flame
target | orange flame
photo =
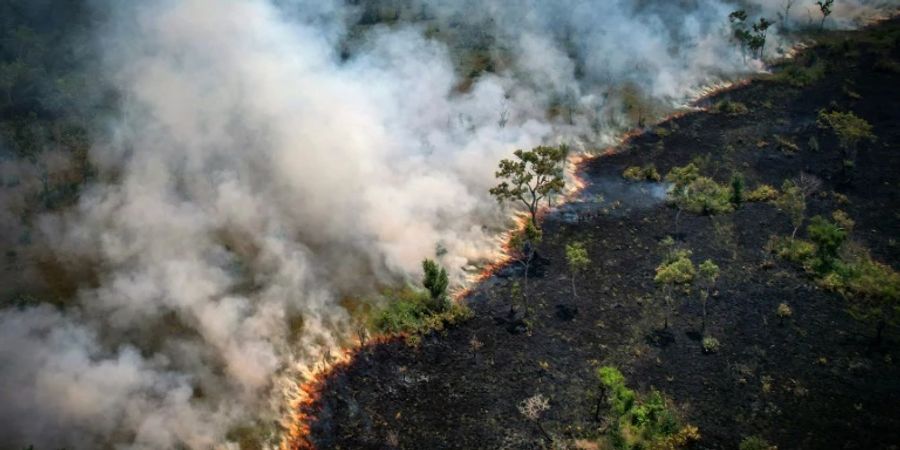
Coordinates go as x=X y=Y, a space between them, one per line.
x=306 y=395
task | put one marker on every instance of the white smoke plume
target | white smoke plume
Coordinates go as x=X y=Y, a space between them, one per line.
x=270 y=160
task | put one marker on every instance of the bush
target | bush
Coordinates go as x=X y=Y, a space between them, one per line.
x=794 y=250
x=755 y=443
x=848 y=127
x=705 y=196
x=762 y=193
x=800 y=76
x=710 y=344
x=730 y=108
x=828 y=238
x=646 y=173
x=783 y=312
x=641 y=423
x=409 y=311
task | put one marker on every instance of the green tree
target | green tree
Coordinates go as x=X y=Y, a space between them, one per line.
x=681 y=179
x=825 y=9
x=757 y=41
x=792 y=202
x=828 y=238
x=577 y=257
x=436 y=281
x=675 y=270
x=737 y=189
x=709 y=274
x=740 y=33
x=524 y=245
x=530 y=177
x=705 y=196
x=850 y=130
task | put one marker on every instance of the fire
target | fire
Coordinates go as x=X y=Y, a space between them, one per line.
x=305 y=395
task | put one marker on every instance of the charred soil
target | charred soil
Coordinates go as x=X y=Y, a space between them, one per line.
x=813 y=380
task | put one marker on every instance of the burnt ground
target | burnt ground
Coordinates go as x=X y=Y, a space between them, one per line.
x=816 y=381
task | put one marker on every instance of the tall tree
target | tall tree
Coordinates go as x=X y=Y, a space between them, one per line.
x=825 y=9
x=436 y=281
x=675 y=270
x=792 y=202
x=577 y=257
x=531 y=176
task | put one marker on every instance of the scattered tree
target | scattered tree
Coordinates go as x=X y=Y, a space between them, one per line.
x=850 y=130
x=783 y=312
x=792 y=202
x=533 y=408
x=681 y=178
x=757 y=42
x=675 y=270
x=785 y=16
x=828 y=238
x=755 y=443
x=534 y=175
x=436 y=282
x=737 y=189
x=825 y=9
x=709 y=274
x=577 y=257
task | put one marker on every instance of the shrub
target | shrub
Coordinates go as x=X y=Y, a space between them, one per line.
x=737 y=189
x=828 y=238
x=755 y=443
x=730 y=108
x=409 y=311
x=710 y=344
x=705 y=196
x=783 y=312
x=794 y=250
x=762 y=193
x=641 y=422
x=648 y=173
x=800 y=76
x=436 y=282
x=848 y=127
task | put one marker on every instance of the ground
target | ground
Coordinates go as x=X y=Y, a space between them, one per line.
x=812 y=381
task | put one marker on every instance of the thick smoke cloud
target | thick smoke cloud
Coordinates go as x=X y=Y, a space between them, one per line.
x=267 y=162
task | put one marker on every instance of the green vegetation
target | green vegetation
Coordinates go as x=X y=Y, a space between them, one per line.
x=737 y=189
x=412 y=311
x=676 y=270
x=762 y=193
x=578 y=260
x=850 y=130
x=409 y=311
x=534 y=175
x=752 y=38
x=436 y=281
x=755 y=443
x=730 y=108
x=871 y=288
x=639 y=422
x=646 y=173
x=798 y=75
x=710 y=344
x=783 y=312
x=792 y=202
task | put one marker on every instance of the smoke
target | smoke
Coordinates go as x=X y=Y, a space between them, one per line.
x=271 y=159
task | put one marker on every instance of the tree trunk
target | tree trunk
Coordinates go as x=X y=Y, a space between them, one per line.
x=543 y=431
x=879 y=328
x=574 y=294
x=703 y=329
x=794 y=233
x=677 y=215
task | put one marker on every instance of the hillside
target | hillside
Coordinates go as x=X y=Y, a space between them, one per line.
x=814 y=379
